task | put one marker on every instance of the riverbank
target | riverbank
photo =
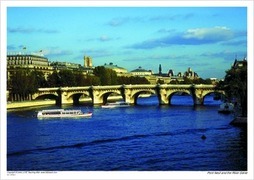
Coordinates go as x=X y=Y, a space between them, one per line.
x=239 y=121
x=24 y=104
x=16 y=105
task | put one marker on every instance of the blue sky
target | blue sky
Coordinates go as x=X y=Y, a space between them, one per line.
x=207 y=39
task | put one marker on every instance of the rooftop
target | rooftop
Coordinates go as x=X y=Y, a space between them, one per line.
x=140 y=69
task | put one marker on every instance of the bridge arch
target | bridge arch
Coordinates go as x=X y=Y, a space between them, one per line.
x=75 y=97
x=45 y=97
x=106 y=95
x=221 y=96
x=102 y=98
x=131 y=95
x=200 y=94
x=137 y=94
x=181 y=93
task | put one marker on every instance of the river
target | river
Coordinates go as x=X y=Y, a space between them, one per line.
x=144 y=137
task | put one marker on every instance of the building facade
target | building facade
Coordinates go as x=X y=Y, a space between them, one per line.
x=65 y=65
x=190 y=74
x=141 y=72
x=27 y=61
x=117 y=69
x=88 y=62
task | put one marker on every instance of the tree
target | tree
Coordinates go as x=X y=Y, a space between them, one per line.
x=107 y=76
x=88 y=80
x=67 y=78
x=40 y=79
x=202 y=81
x=93 y=80
x=23 y=82
x=54 y=80
x=79 y=78
x=132 y=80
x=64 y=78
x=235 y=86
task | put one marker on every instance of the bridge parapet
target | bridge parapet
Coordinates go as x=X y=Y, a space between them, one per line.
x=175 y=86
x=131 y=86
x=106 y=87
x=75 y=88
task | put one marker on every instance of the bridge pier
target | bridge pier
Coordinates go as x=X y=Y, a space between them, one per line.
x=163 y=97
x=128 y=98
x=198 y=101
x=199 y=93
x=62 y=97
x=97 y=99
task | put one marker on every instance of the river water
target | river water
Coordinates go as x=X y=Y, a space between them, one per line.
x=145 y=137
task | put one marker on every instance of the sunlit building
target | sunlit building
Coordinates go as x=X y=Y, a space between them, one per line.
x=27 y=61
x=34 y=61
x=65 y=65
x=88 y=62
x=141 y=72
x=190 y=74
x=117 y=69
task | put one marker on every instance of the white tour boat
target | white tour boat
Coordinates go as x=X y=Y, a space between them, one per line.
x=62 y=113
x=116 y=105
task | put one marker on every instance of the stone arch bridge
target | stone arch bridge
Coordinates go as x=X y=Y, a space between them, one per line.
x=130 y=93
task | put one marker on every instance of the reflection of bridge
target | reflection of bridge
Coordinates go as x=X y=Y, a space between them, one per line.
x=130 y=93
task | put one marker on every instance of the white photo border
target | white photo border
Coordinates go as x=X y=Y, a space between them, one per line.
x=129 y=174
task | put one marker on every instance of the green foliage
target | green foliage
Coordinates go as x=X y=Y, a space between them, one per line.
x=94 y=80
x=192 y=81
x=54 y=80
x=107 y=76
x=79 y=78
x=132 y=80
x=24 y=82
x=90 y=80
x=202 y=81
x=235 y=86
x=67 y=78
x=40 y=79
x=71 y=78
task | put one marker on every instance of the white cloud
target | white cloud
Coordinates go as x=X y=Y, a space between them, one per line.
x=198 y=36
x=55 y=51
x=215 y=33
x=104 y=38
x=32 y=30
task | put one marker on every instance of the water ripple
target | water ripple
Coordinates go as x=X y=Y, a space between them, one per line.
x=104 y=141
x=92 y=143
